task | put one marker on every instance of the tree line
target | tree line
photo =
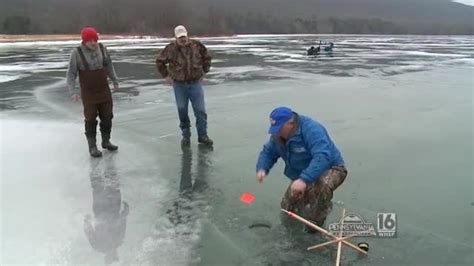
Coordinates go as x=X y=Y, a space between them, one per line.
x=147 y=17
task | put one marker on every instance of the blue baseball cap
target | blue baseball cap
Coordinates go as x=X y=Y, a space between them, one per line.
x=278 y=117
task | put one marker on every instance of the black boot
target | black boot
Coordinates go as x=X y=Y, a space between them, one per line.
x=94 y=152
x=106 y=144
x=205 y=140
x=185 y=141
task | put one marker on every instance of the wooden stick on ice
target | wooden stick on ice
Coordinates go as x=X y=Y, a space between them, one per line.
x=336 y=241
x=339 y=244
x=332 y=242
x=323 y=231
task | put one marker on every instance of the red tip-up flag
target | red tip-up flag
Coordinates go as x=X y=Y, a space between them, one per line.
x=247 y=198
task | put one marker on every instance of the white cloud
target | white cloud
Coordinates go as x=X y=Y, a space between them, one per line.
x=466 y=2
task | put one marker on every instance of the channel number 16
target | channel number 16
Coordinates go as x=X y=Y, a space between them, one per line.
x=387 y=222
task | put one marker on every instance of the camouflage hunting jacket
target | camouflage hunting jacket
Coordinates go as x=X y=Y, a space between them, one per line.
x=187 y=63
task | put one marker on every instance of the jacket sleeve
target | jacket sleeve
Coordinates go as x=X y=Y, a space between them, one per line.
x=317 y=142
x=162 y=60
x=72 y=73
x=268 y=156
x=206 y=58
x=110 y=68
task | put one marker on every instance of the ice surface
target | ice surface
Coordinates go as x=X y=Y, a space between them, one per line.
x=398 y=107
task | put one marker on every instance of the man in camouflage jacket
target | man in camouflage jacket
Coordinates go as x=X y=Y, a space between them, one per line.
x=183 y=63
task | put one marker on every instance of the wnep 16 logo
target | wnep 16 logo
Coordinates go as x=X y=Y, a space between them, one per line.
x=387 y=224
x=356 y=224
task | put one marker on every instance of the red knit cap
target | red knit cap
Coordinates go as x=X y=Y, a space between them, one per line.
x=89 y=34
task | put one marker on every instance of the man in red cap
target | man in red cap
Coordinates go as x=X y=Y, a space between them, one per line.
x=93 y=64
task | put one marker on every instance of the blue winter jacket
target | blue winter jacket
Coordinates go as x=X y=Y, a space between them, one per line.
x=307 y=153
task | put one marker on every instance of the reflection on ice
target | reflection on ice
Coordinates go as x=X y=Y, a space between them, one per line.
x=176 y=234
x=106 y=229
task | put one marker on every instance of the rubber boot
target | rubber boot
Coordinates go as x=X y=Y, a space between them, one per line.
x=106 y=144
x=93 y=151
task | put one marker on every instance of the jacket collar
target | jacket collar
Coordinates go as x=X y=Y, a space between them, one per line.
x=297 y=132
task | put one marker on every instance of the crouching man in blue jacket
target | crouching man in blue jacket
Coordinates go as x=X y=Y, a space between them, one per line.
x=313 y=163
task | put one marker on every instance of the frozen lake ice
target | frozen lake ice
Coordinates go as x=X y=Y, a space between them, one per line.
x=400 y=109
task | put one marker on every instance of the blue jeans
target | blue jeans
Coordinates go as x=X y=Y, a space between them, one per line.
x=190 y=92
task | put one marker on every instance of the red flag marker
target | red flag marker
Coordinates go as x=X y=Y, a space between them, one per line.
x=247 y=198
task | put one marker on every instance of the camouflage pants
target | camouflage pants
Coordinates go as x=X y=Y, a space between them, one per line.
x=315 y=204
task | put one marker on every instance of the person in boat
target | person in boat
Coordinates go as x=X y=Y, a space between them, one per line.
x=329 y=48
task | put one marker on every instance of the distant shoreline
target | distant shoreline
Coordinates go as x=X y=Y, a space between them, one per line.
x=6 y=38
x=61 y=37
